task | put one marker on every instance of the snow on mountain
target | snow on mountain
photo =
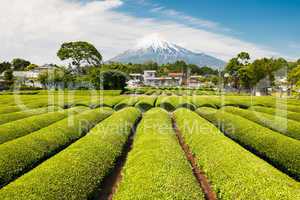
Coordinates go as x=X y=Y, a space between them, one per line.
x=161 y=51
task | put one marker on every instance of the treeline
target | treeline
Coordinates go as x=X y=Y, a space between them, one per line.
x=162 y=70
x=241 y=73
x=17 y=64
x=86 y=69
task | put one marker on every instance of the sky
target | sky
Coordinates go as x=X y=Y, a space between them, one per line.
x=35 y=29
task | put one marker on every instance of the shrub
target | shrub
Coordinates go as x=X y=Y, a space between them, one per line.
x=126 y=103
x=168 y=103
x=150 y=92
x=145 y=103
x=234 y=172
x=76 y=172
x=22 y=127
x=285 y=126
x=156 y=167
x=274 y=111
x=24 y=106
x=105 y=101
x=9 y=117
x=283 y=152
x=24 y=153
x=186 y=102
x=108 y=80
x=207 y=101
x=292 y=108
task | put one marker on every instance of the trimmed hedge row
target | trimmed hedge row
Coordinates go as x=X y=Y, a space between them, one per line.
x=145 y=103
x=233 y=172
x=127 y=103
x=292 y=108
x=106 y=101
x=208 y=101
x=76 y=172
x=168 y=103
x=19 y=128
x=99 y=101
x=285 y=126
x=24 y=107
x=280 y=150
x=24 y=153
x=9 y=117
x=9 y=109
x=274 y=111
x=186 y=102
x=157 y=168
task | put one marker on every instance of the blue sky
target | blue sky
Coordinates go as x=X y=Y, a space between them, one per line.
x=35 y=29
x=271 y=23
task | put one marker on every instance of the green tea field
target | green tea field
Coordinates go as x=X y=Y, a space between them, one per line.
x=77 y=146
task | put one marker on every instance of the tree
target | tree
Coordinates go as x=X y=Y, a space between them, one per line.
x=4 y=66
x=215 y=79
x=31 y=67
x=246 y=77
x=19 y=64
x=294 y=76
x=80 y=53
x=234 y=66
x=243 y=58
x=107 y=80
x=56 y=78
x=204 y=71
x=9 y=77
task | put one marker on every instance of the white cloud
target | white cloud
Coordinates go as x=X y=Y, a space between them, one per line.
x=34 y=29
x=173 y=14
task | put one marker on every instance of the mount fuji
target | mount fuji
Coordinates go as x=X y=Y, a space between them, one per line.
x=162 y=52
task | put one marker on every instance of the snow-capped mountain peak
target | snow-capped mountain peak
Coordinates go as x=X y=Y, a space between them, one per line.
x=154 y=48
x=156 y=42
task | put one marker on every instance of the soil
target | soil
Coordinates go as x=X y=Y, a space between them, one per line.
x=199 y=174
x=110 y=183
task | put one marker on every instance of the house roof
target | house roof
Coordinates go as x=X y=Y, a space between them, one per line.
x=175 y=74
x=135 y=74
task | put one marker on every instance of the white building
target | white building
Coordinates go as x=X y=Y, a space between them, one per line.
x=30 y=78
x=194 y=82
x=173 y=80
x=136 y=80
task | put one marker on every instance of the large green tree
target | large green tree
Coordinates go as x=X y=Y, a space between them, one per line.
x=107 y=80
x=58 y=77
x=9 y=77
x=4 y=66
x=294 y=76
x=80 y=54
x=234 y=68
x=31 y=67
x=19 y=64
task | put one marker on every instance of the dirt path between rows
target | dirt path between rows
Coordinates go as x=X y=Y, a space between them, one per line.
x=110 y=183
x=199 y=174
